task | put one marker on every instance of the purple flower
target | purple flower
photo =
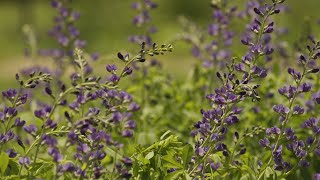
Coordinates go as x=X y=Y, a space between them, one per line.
x=316 y=97
x=49 y=140
x=127 y=133
x=19 y=123
x=63 y=40
x=50 y=124
x=111 y=68
x=95 y=56
x=130 y=124
x=304 y=163
x=68 y=167
x=55 y=153
x=264 y=142
x=310 y=123
x=316 y=176
x=281 y=109
x=6 y=137
x=213 y=29
x=298 y=110
x=10 y=112
x=80 y=43
x=231 y=120
x=10 y=94
x=273 y=130
x=215 y=166
x=43 y=113
x=200 y=151
x=30 y=129
x=289 y=132
x=305 y=87
x=128 y=70
x=114 y=78
x=24 y=161
x=75 y=15
x=127 y=161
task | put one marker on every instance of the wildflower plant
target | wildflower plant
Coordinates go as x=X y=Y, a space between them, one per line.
x=97 y=127
x=74 y=121
x=214 y=126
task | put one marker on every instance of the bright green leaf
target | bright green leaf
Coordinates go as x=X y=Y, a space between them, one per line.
x=150 y=155
x=170 y=162
x=4 y=158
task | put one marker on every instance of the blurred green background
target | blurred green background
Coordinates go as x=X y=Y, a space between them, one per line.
x=106 y=24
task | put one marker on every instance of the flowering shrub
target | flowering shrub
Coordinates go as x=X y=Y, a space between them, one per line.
x=260 y=122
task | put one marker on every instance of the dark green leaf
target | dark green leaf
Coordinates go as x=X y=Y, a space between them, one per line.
x=187 y=152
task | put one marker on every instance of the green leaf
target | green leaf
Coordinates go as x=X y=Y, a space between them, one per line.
x=4 y=158
x=143 y=160
x=44 y=169
x=165 y=134
x=187 y=152
x=12 y=169
x=268 y=172
x=215 y=158
x=173 y=175
x=170 y=162
x=186 y=176
x=150 y=155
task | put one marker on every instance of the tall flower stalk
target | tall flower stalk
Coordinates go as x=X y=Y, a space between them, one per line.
x=285 y=136
x=212 y=130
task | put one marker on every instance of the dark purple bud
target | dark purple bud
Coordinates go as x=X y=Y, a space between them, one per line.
x=243 y=151
x=11 y=153
x=257 y=11
x=128 y=70
x=48 y=90
x=120 y=56
x=314 y=70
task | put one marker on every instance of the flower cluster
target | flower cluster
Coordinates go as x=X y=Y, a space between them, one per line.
x=142 y=19
x=66 y=34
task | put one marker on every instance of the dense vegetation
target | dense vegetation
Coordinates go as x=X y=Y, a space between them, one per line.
x=248 y=110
